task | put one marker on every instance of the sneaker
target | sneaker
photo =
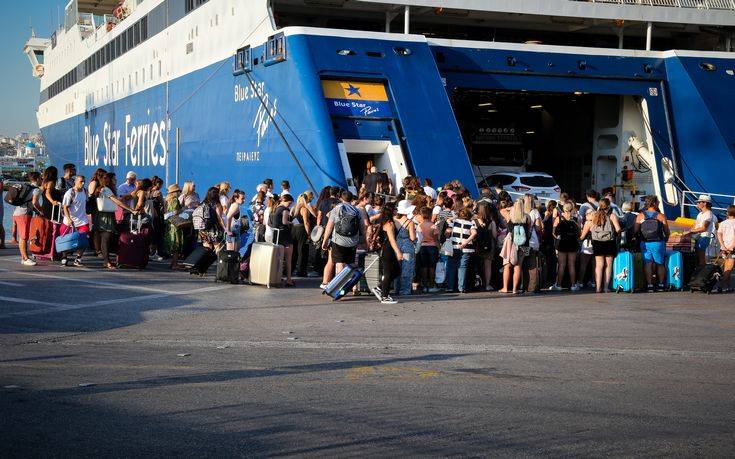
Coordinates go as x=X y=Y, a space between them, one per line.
x=555 y=288
x=312 y=274
x=322 y=286
x=489 y=288
x=661 y=288
x=434 y=290
x=155 y=257
x=650 y=289
x=574 y=288
x=64 y=262
x=78 y=262
x=378 y=293
x=592 y=285
x=29 y=262
x=388 y=300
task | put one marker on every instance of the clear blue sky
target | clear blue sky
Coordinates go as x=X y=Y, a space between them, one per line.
x=19 y=89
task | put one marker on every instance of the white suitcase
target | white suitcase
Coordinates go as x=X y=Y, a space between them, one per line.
x=266 y=264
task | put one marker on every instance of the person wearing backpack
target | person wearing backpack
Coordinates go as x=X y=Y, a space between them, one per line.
x=566 y=235
x=586 y=255
x=487 y=235
x=653 y=230
x=603 y=227
x=74 y=206
x=345 y=228
x=515 y=248
x=23 y=213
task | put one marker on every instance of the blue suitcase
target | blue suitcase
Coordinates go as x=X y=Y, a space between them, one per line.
x=674 y=270
x=346 y=280
x=72 y=242
x=624 y=273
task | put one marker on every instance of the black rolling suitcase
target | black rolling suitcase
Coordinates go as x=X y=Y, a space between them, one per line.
x=228 y=267
x=705 y=278
x=200 y=260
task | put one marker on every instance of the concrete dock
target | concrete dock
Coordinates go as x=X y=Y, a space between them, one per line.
x=158 y=363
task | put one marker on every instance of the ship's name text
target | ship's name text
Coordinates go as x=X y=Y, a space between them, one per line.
x=142 y=145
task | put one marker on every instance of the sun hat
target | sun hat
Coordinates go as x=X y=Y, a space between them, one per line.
x=316 y=234
x=405 y=207
x=704 y=198
x=174 y=188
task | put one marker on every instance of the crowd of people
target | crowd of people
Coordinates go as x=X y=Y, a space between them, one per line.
x=428 y=240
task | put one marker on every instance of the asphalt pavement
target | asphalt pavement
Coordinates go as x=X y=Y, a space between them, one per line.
x=159 y=363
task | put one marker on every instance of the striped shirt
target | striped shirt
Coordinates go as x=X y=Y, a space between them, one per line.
x=461 y=231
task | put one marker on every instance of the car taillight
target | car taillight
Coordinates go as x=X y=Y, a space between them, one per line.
x=557 y=189
x=521 y=188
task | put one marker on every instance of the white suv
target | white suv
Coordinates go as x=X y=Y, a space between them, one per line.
x=536 y=183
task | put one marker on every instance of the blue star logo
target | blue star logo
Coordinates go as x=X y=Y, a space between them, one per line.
x=352 y=91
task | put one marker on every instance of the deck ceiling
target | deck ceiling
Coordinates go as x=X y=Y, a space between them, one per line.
x=97 y=6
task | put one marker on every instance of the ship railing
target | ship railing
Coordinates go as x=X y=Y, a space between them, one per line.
x=695 y=4
x=689 y=200
x=86 y=24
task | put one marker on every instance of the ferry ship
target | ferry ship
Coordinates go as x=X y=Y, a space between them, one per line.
x=632 y=95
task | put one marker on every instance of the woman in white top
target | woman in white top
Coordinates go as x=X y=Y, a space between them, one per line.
x=224 y=195
x=704 y=227
x=189 y=198
x=530 y=208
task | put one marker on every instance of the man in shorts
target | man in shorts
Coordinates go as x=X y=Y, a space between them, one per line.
x=343 y=241
x=75 y=215
x=653 y=229
x=22 y=216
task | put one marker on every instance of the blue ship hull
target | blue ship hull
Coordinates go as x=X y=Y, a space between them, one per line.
x=210 y=126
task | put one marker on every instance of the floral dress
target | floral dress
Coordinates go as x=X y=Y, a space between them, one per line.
x=173 y=239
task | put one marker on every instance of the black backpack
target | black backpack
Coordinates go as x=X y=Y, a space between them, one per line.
x=567 y=230
x=652 y=230
x=347 y=223
x=19 y=194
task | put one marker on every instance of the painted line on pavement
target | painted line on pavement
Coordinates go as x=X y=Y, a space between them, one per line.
x=97 y=283
x=11 y=299
x=58 y=307
x=412 y=347
x=11 y=284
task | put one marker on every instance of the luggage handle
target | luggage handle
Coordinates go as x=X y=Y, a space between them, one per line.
x=371 y=263
x=140 y=225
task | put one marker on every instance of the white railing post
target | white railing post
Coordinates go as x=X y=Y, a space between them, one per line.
x=406 y=19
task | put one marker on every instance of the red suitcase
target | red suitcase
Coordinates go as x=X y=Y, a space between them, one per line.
x=133 y=248
x=41 y=237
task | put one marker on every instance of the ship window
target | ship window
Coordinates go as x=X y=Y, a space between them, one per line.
x=242 y=61
x=189 y=6
x=144 y=29
x=124 y=38
x=136 y=34
x=373 y=54
x=130 y=39
x=108 y=52
x=275 y=49
x=118 y=49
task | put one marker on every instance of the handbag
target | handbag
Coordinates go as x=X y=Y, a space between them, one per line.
x=182 y=220
x=447 y=248
x=106 y=205
x=71 y=241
